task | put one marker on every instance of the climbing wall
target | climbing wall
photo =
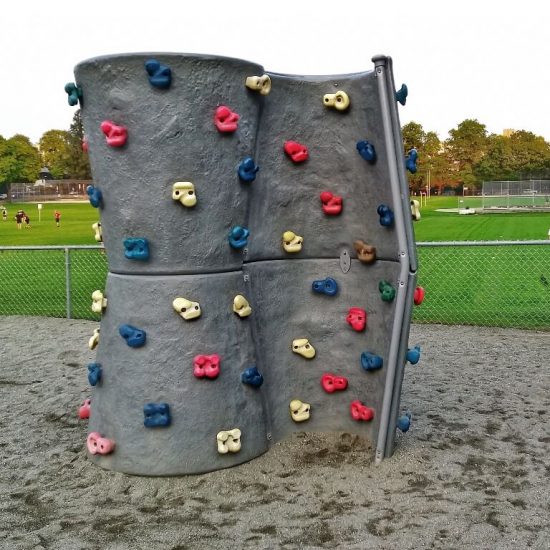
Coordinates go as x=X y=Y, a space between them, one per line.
x=261 y=258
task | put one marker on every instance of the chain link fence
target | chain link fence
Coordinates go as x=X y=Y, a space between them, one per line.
x=503 y=284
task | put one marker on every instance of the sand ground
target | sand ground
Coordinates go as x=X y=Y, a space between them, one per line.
x=472 y=472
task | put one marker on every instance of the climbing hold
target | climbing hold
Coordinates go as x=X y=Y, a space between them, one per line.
x=357 y=318
x=98 y=236
x=366 y=253
x=401 y=94
x=386 y=215
x=326 y=286
x=115 y=135
x=241 y=306
x=184 y=192
x=225 y=119
x=410 y=160
x=292 y=242
x=85 y=145
x=136 y=248
x=98 y=445
x=331 y=383
x=74 y=92
x=370 y=361
x=361 y=412
x=84 y=410
x=156 y=415
x=135 y=337
x=296 y=151
x=206 y=366
x=299 y=411
x=94 y=340
x=160 y=75
x=404 y=422
x=366 y=150
x=419 y=294
x=252 y=377
x=260 y=84
x=413 y=355
x=229 y=441
x=94 y=373
x=331 y=204
x=247 y=170
x=387 y=292
x=339 y=100
x=186 y=308
x=238 y=237
x=415 y=210
x=95 y=196
x=99 y=302
x=302 y=347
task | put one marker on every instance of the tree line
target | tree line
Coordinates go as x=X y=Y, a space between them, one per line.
x=59 y=150
x=471 y=156
x=467 y=158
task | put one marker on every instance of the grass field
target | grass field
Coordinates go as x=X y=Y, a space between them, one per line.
x=496 y=286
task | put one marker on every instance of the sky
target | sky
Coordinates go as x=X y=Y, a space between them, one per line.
x=486 y=60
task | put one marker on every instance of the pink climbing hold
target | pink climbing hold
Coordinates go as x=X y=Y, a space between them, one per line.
x=115 y=135
x=332 y=383
x=357 y=318
x=85 y=144
x=98 y=445
x=361 y=412
x=225 y=119
x=419 y=294
x=296 y=151
x=85 y=408
x=206 y=366
x=331 y=204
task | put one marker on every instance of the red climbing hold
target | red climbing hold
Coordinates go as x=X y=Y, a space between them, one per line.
x=84 y=410
x=361 y=412
x=357 y=318
x=225 y=119
x=116 y=135
x=419 y=294
x=206 y=366
x=296 y=151
x=332 y=383
x=332 y=204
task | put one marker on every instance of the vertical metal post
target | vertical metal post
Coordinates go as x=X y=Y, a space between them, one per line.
x=68 y=281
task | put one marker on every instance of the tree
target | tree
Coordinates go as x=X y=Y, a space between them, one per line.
x=56 y=152
x=79 y=167
x=19 y=160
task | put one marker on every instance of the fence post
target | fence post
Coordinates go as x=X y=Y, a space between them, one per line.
x=68 y=281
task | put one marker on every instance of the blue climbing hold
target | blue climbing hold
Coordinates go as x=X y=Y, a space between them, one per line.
x=370 y=361
x=160 y=75
x=136 y=248
x=238 y=237
x=252 y=377
x=413 y=355
x=386 y=215
x=401 y=94
x=95 y=196
x=366 y=150
x=94 y=373
x=404 y=422
x=74 y=92
x=247 y=170
x=410 y=160
x=326 y=286
x=156 y=415
x=134 y=337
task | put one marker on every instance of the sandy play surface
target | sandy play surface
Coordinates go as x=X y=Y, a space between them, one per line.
x=472 y=472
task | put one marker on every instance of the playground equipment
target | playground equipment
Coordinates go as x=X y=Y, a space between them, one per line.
x=261 y=258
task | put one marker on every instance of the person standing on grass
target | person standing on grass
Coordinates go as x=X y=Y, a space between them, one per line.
x=19 y=218
x=4 y=214
x=57 y=216
x=27 y=221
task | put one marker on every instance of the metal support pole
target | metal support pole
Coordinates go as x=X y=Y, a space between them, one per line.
x=68 y=281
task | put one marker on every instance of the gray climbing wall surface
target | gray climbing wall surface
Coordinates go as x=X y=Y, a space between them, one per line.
x=213 y=186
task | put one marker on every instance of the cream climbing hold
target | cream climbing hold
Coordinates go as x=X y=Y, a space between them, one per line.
x=339 y=100
x=98 y=236
x=299 y=411
x=260 y=84
x=229 y=441
x=291 y=242
x=94 y=340
x=302 y=347
x=184 y=192
x=186 y=308
x=99 y=302
x=241 y=306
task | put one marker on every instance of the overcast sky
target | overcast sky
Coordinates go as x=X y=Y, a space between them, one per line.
x=470 y=59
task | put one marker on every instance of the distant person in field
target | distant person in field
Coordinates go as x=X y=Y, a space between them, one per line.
x=57 y=216
x=19 y=218
x=4 y=214
x=27 y=221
